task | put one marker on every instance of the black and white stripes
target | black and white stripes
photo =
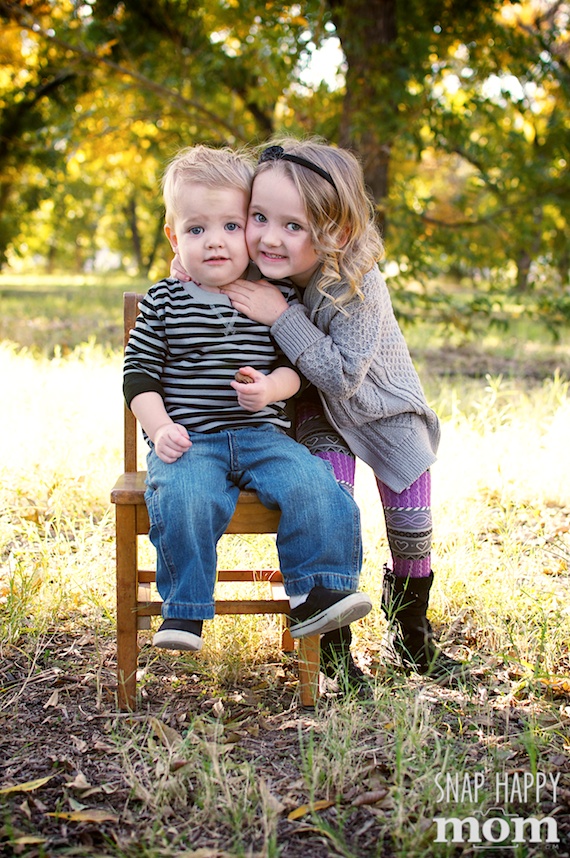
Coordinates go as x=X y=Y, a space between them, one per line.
x=187 y=345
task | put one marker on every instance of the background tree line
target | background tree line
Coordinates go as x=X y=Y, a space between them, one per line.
x=458 y=109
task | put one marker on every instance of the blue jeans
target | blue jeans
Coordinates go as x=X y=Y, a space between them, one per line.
x=191 y=501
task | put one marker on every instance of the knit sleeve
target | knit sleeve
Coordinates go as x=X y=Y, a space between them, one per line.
x=337 y=358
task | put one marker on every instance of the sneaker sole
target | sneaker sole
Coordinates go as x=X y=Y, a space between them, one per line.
x=342 y=613
x=177 y=639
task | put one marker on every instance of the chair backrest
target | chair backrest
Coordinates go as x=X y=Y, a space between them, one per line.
x=130 y=313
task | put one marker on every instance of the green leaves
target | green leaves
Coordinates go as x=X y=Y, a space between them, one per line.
x=459 y=113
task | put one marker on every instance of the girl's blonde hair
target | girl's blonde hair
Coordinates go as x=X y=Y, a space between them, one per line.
x=204 y=165
x=341 y=217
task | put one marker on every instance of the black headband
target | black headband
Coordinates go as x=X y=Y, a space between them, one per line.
x=277 y=153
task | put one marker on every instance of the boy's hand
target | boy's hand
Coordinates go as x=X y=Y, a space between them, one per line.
x=254 y=389
x=258 y=300
x=171 y=441
x=243 y=378
x=177 y=270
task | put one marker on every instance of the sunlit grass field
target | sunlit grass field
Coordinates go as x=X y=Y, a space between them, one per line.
x=500 y=601
x=501 y=503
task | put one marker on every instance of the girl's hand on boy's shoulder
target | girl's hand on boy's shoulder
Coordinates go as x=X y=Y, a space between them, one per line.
x=177 y=270
x=257 y=299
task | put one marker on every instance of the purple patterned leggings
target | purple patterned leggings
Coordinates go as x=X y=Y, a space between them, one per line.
x=407 y=514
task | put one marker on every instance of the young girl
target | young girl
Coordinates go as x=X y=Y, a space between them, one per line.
x=311 y=221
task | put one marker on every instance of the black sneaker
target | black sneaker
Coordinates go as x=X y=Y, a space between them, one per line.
x=179 y=634
x=325 y=610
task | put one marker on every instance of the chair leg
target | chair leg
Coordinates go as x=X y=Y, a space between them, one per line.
x=309 y=663
x=127 y=648
x=287 y=642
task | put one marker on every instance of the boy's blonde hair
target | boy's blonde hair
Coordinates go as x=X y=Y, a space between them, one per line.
x=340 y=216
x=205 y=165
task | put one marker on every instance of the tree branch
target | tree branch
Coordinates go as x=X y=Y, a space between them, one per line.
x=185 y=104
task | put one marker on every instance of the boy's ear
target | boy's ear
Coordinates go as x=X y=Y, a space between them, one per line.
x=171 y=236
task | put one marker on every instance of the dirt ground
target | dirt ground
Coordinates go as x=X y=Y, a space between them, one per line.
x=56 y=724
x=59 y=722
x=470 y=361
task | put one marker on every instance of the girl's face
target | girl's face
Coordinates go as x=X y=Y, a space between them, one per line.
x=277 y=232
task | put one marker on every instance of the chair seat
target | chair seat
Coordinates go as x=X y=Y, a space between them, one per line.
x=250 y=515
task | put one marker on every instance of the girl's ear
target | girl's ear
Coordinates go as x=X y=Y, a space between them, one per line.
x=171 y=236
x=343 y=237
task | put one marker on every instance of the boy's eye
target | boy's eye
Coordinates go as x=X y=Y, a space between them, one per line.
x=196 y=230
x=231 y=227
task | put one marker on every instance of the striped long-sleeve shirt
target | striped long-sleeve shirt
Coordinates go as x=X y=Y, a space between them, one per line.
x=187 y=345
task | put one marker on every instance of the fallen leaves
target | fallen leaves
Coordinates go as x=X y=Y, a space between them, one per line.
x=53 y=700
x=304 y=809
x=169 y=737
x=366 y=797
x=557 y=685
x=370 y=797
x=94 y=815
x=79 y=812
x=28 y=786
x=81 y=784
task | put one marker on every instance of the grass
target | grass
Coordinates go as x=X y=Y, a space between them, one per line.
x=56 y=314
x=219 y=761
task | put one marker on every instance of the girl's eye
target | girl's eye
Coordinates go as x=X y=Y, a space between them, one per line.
x=294 y=227
x=196 y=230
x=231 y=227
x=259 y=218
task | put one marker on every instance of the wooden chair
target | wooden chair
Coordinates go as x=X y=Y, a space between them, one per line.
x=134 y=603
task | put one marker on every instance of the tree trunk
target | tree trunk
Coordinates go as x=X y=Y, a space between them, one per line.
x=158 y=236
x=529 y=253
x=130 y=211
x=368 y=31
x=51 y=256
x=6 y=227
x=523 y=270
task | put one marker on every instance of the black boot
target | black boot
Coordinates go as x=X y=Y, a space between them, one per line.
x=337 y=663
x=411 y=642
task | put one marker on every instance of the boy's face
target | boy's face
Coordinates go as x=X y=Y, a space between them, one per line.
x=208 y=233
x=278 y=234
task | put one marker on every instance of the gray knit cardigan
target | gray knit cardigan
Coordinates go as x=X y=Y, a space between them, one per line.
x=361 y=365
